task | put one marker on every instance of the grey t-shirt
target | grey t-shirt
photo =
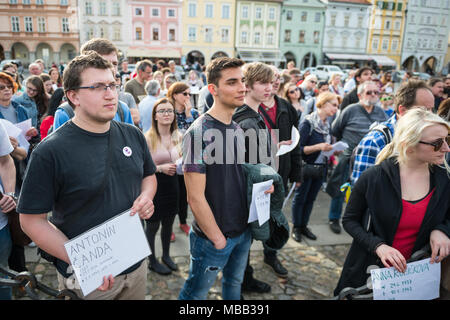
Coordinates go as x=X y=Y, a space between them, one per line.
x=354 y=122
x=5 y=149
x=9 y=113
x=136 y=89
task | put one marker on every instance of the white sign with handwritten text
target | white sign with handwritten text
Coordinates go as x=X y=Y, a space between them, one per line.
x=420 y=281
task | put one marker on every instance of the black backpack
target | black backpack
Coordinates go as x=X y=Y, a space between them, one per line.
x=69 y=110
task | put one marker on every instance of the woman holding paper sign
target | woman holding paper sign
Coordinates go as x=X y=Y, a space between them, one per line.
x=314 y=138
x=402 y=203
x=164 y=140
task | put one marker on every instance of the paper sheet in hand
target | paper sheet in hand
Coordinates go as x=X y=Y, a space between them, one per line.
x=109 y=248
x=179 y=164
x=338 y=146
x=295 y=137
x=420 y=282
x=24 y=126
x=260 y=205
x=11 y=129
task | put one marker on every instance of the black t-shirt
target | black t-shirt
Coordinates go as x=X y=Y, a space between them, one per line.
x=67 y=170
x=225 y=189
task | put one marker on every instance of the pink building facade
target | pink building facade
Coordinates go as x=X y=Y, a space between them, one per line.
x=156 y=30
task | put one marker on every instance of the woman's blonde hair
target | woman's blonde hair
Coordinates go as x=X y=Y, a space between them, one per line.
x=325 y=97
x=333 y=76
x=408 y=132
x=153 y=136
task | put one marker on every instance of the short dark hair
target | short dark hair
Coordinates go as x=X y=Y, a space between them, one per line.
x=434 y=80
x=72 y=73
x=321 y=84
x=215 y=67
x=361 y=70
x=143 y=64
x=99 y=45
x=406 y=94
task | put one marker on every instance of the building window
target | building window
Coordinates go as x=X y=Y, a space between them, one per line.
x=317 y=17
x=138 y=12
x=226 y=11
x=304 y=16
x=208 y=34
x=360 y=21
x=394 y=46
x=155 y=34
x=357 y=42
x=380 y=5
x=171 y=34
x=90 y=33
x=88 y=8
x=28 y=24
x=225 y=35
x=209 y=10
x=64 y=2
x=333 y=19
x=103 y=33
x=39 y=2
x=301 y=36
x=344 y=41
x=116 y=8
x=12 y=1
x=271 y=13
x=102 y=8
x=15 y=26
x=192 y=10
x=316 y=36
x=41 y=24
x=397 y=25
x=439 y=44
x=244 y=37
x=270 y=38
x=330 y=41
x=117 y=35
x=65 y=24
x=244 y=12
x=25 y=1
x=346 y=20
x=192 y=34
x=387 y=24
x=155 y=12
x=390 y=5
x=171 y=13
x=287 y=35
x=399 y=6
x=289 y=15
x=257 y=38
x=258 y=13
x=375 y=44
x=138 y=33
x=385 y=44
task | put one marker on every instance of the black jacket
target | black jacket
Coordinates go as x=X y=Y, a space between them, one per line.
x=378 y=189
x=350 y=98
x=290 y=164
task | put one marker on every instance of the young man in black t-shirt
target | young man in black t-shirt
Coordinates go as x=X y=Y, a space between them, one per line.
x=216 y=188
x=86 y=172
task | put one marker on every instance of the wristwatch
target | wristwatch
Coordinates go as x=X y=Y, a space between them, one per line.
x=12 y=195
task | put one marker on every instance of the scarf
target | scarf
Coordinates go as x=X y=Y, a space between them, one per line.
x=319 y=126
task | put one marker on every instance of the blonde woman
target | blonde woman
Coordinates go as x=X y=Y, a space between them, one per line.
x=402 y=203
x=335 y=84
x=164 y=143
x=315 y=137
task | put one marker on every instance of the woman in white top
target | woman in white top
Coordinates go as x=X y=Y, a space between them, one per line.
x=335 y=85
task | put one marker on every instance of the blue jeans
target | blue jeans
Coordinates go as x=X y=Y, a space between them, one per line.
x=336 y=207
x=5 y=250
x=207 y=261
x=303 y=201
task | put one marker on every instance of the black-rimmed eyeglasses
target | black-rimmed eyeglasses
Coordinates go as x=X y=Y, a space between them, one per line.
x=101 y=87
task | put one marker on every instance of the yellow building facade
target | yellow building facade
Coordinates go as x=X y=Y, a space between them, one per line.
x=208 y=30
x=386 y=28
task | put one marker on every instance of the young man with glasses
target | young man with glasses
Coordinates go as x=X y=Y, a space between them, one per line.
x=87 y=172
x=109 y=52
x=350 y=126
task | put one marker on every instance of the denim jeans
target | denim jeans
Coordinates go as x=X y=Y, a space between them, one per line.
x=5 y=250
x=336 y=207
x=303 y=201
x=207 y=262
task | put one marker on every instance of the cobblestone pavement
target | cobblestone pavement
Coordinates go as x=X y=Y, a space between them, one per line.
x=313 y=275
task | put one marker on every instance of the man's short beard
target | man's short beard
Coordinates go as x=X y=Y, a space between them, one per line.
x=368 y=103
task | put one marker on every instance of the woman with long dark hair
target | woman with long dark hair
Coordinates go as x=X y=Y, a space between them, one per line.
x=164 y=142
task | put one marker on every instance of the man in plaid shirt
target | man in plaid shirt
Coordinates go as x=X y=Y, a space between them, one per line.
x=414 y=93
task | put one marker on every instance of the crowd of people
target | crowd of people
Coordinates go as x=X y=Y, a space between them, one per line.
x=80 y=168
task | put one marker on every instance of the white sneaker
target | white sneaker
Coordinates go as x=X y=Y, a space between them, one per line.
x=32 y=245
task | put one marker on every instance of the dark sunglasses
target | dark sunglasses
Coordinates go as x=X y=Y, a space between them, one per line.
x=2 y=87
x=438 y=143
x=312 y=81
x=375 y=93
x=294 y=91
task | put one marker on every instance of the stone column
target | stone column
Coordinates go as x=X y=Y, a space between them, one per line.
x=7 y=55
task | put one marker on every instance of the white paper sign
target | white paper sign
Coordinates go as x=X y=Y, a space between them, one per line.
x=420 y=281
x=338 y=146
x=260 y=205
x=11 y=129
x=24 y=126
x=107 y=249
x=295 y=137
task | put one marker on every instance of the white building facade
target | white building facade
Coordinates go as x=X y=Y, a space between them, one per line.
x=426 y=34
x=110 y=19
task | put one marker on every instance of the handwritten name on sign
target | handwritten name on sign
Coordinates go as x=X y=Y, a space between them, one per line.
x=420 y=281
x=109 y=248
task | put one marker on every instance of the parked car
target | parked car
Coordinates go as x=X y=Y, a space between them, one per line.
x=324 y=72
x=312 y=70
x=422 y=75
